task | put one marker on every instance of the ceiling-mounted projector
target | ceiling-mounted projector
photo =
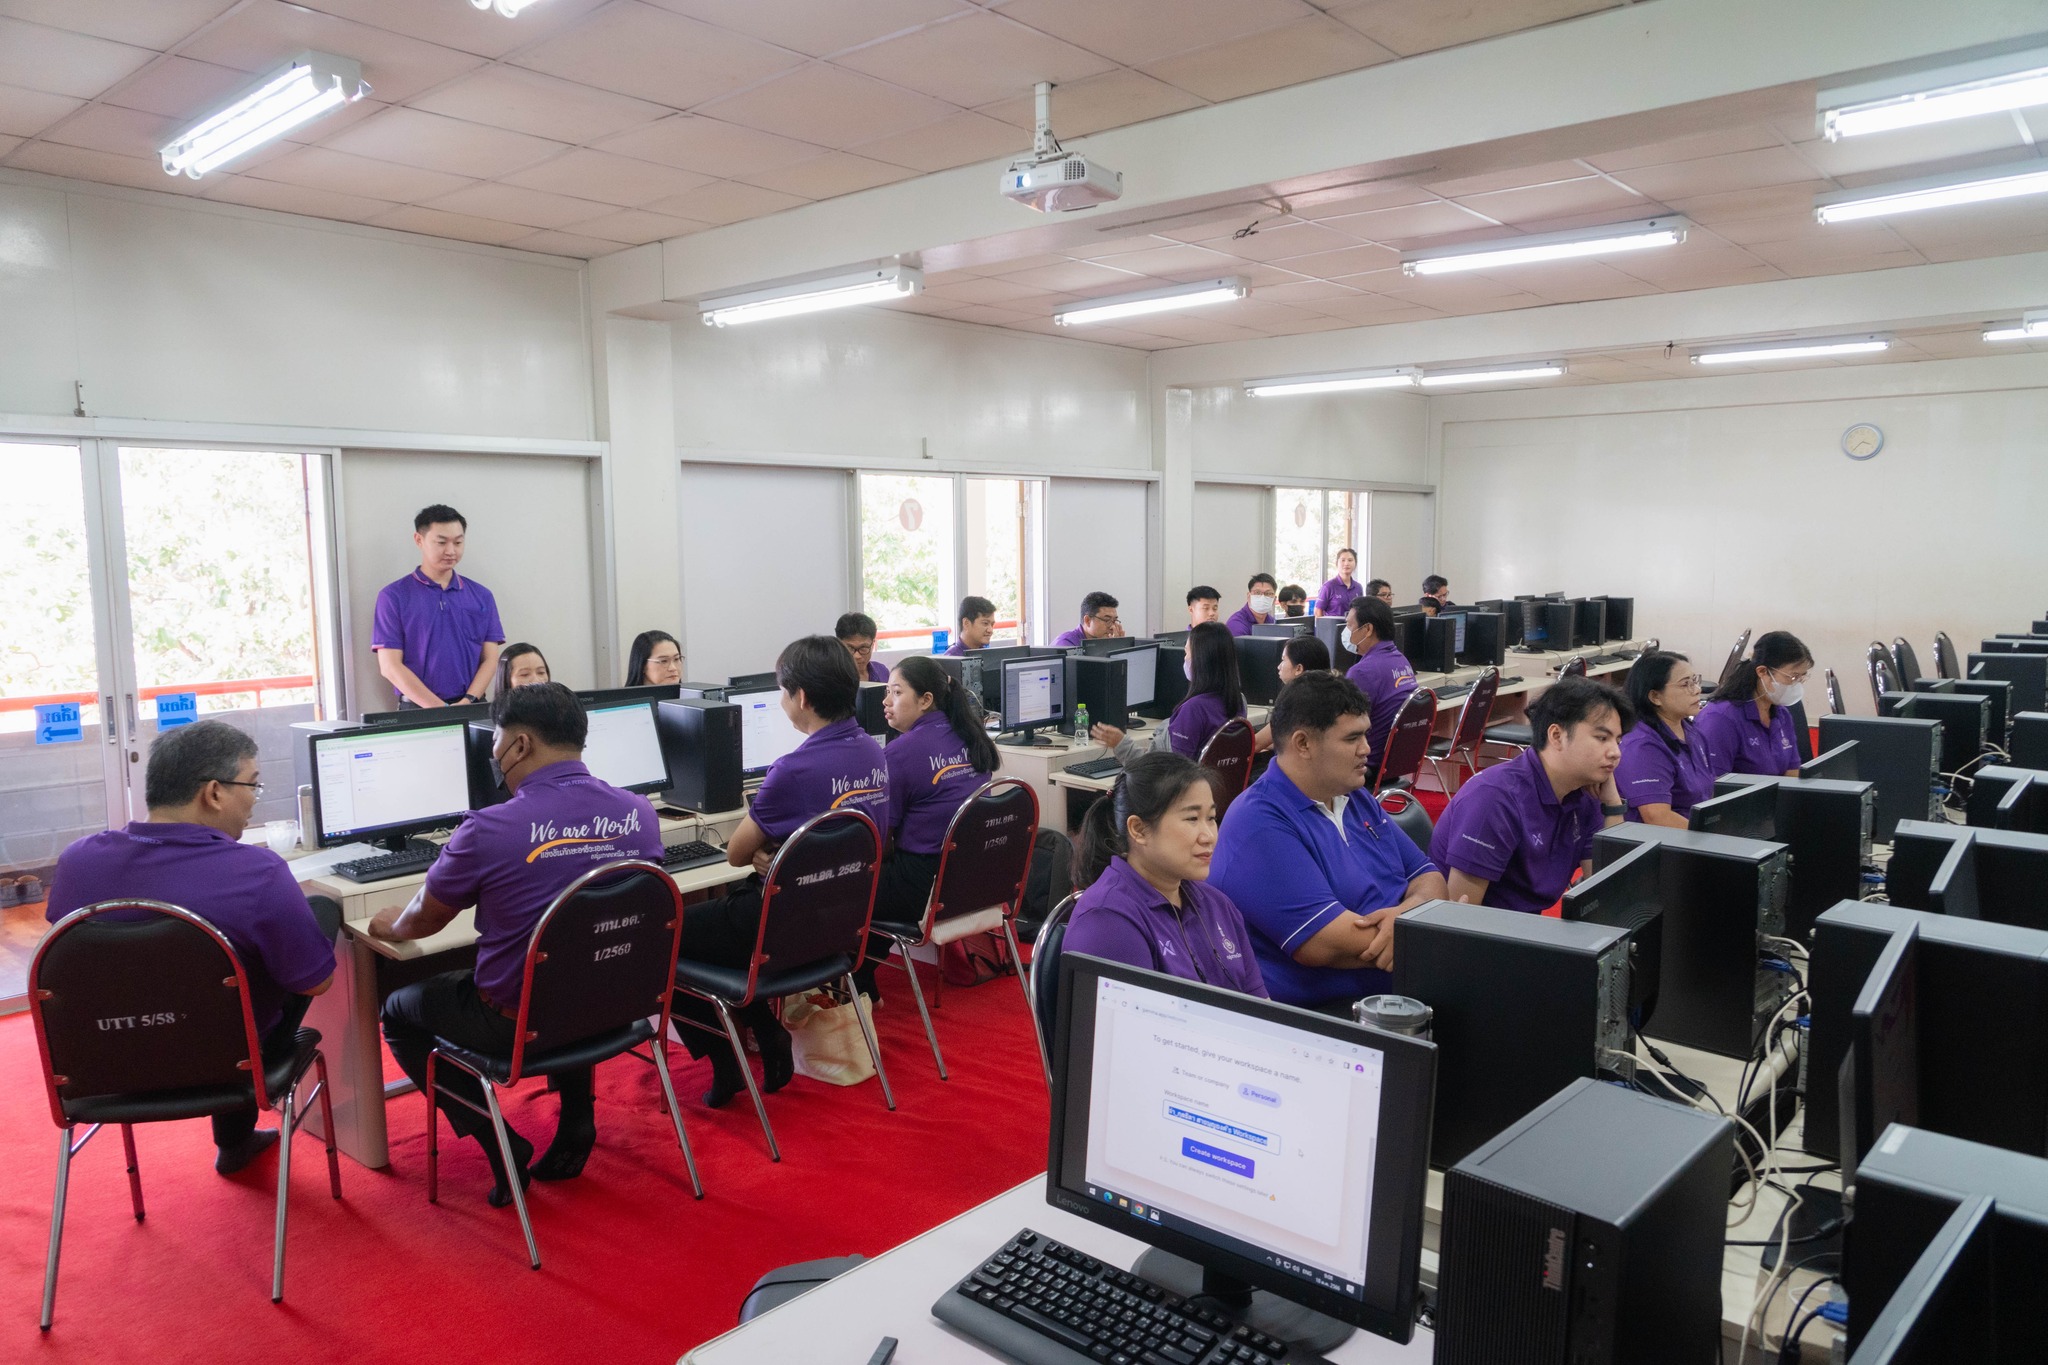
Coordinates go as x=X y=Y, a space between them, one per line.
x=1054 y=180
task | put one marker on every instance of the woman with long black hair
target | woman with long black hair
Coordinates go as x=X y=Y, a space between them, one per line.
x=1215 y=694
x=1748 y=725
x=655 y=660
x=1665 y=767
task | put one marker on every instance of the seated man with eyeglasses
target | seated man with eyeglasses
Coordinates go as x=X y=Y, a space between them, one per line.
x=1099 y=621
x=201 y=786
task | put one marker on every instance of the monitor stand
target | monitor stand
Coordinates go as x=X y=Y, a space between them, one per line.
x=1234 y=1299
x=1024 y=739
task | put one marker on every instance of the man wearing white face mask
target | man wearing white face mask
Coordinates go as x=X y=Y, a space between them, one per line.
x=1258 y=604
x=1748 y=726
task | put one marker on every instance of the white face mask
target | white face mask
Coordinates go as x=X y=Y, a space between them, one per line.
x=1785 y=694
x=1187 y=669
x=1262 y=605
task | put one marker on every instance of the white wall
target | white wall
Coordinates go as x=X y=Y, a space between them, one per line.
x=1230 y=538
x=1726 y=504
x=1095 y=541
x=765 y=559
x=1402 y=548
x=1311 y=440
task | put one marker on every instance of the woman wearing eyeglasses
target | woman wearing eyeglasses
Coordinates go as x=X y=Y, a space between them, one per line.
x=1665 y=767
x=1748 y=725
x=655 y=660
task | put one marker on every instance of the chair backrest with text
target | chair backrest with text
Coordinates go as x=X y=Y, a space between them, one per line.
x=138 y=997
x=1408 y=738
x=820 y=894
x=1478 y=710
x=987 y=853
x=1228 y=754
x=602 y=957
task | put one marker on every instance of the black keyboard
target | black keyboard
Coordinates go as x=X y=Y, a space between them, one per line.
x=682 y=857
x=1510 y=682
x=385 y=866
x=1096 y=767
x=1453 y=693
x=1044 y=1303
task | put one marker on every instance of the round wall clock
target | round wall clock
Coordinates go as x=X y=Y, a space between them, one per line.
x=1862 y=441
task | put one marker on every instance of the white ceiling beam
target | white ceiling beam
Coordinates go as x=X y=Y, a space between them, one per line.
x=1616 y=64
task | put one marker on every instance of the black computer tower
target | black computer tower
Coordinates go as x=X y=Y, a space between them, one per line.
x=1999 y=875
x=1721 y=896
x=867 y=709
x=1099 y=685
x=1258 y=666
x=700 y=742
x=1486 y=640
x=1902 y=755
x=702 y=690
x=1439 y=652
x=1589 y=629
x=967 y=671
x=2027 y=739
x=1919 y=847
x=486 y=783
x=2028 y=674
x=1284 y=627
x=1827 y=826
x=1523 y=1004
x=1998 y=724
x=1169 y=685
x=1621 y=618
x=1589 y=1233
x=1965 y=722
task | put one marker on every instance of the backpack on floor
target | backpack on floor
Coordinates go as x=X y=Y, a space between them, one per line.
x=977 y=958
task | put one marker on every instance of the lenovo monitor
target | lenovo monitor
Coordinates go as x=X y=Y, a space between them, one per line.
x=388 y=782
x=1034 y=697
x=766 y=731
x=624 y=748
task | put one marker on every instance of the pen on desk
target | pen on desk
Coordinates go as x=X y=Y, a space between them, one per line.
x=883 y=1352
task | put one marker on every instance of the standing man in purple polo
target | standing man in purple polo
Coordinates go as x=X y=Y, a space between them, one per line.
x=437 y=634
x=1514 y=833
x=201 y=785
x=510 y=861
x=1259 y=596
x=1382 y=672
x=1340 y=592
x=1099 y=621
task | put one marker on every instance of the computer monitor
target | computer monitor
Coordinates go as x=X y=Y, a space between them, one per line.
x=1497 y=605
x=1034 y=697
x=1547 y=626
x=1258 y=667
x=430 y=715
x=1885 y=1051
x=1902 y=755
x=1589 y=628
x=624 y=748
x=1746 y=812
x=2006 y=881
x=766 y=733
x=1826 y=825
x=1171 y=637
x=1439 y=653
x=1141 y=674
x=1628 y=894
x=2028 y=674
x=2021 y=644
x=1837 y=764
x=1108 y=644
x=1254 y=1145
x=1621 y=618
x=1484 y=643
x=609 y=696
x=2027 y=739
x=1947 y=1308
x=1285 y=627
x=2024 y=807
x=1409 y=629
x=384 y=783
x=751 y=682
x=991 y=661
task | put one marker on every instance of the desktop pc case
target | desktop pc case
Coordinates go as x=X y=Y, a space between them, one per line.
x=2027 y=739
x=1827 y=825
x=700 y=741
x=2028 y=674
x=1919 y=848
x=1335 y=633
x=1258 y=666
x=1720 y=897
x=1989 y=788
x=1902 y=755
x=1965 y=722
x=867 y=709
x=1099 y=685
x=1588 y=1233
x=1522 y=1006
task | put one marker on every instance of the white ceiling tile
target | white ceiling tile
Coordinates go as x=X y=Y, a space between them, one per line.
x=817 y=27
x=412 y=138
x=1086 y=277
x=1115 y=100
x=530 y=102
x=1304 y=50
x=1717 y=174
x=567 y=244
x=1134 y=32
x=1712 y=142
x=179 y=88
x=155 y=24
x=1410 y=223
x=460 y=226
x=1592 y=196
x=975 y=60
x=459 y=25
x=710 y=146
x=61 y=63
x=8 y=144
x=2006 y=229
x=25 y=113
x=1351 y=260
x=650 y=53
x=1509 y=178
x=107 y=129
x=1918 y=151
x=637 y=226
x=831 y=175
x=981 y=289
x=269 y=33
x=956 y=140
x=105 y=168
x=1411 y=26
x=301 y=199
x=608 y=179
x=1765 y=206
x=726 y=201
x=1272 y=241
x=323 y=168
x=830 y=106
x=1173 y=260
x=512 y=204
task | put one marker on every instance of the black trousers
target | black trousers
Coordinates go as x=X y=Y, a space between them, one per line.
x=721 y=932
x=235 y=1125
x=448 y=1006
x=901 y=894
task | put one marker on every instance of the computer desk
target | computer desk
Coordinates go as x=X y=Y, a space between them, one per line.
x=368 y=969
x=892 y=1294
x=1035 y=764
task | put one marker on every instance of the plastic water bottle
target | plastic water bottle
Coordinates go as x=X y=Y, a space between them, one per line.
x=1081 y=720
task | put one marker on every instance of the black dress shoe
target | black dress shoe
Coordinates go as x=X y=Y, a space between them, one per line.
x=565 y=1156
x=727 y=1079
x=522 y=1153
x=228 y=1160
x=778 y=1058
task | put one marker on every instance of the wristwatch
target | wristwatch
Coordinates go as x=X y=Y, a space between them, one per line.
x=1606 y=809
x=471 y=697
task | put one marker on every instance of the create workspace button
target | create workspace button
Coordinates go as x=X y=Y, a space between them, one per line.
x=1216 y=1156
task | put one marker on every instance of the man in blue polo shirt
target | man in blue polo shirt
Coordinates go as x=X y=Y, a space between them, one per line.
x=1315 y=866
x=1099 y=621
x=510 y=861
x=436 y=633
x=1514 y=833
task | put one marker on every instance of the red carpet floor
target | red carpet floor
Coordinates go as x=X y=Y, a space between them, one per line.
x=634 y=1270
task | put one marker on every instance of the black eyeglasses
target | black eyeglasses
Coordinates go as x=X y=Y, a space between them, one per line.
x=256 y=787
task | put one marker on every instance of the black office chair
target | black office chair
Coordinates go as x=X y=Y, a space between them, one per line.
x=815 y=910
x=1409 y=816
x=188 y=1047
x=1905 y=661
x=1884 y=674
x=1947 y=663
x=600 y=970
x=1836 y=706
x=1045 y=976
x=1574 y=667
x=980 y=883
x=1228 y=754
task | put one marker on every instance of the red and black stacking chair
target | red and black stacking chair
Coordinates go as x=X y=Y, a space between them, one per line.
x=1407 y=740
x=1044 y=984
x=980 y=883
x=1947 y=663
x=1574 y=667
x=1228 y=754
x=142 y=1015
x=600 y=969
x=815 y=908
x=1884 y=674
x=1465 y=741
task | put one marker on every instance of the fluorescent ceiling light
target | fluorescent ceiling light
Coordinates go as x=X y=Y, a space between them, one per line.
x=509 y=8
x=1982 y=185
x=1793 y=350
x=875 y=285
x=1401 y=378
x=2018 y=80
x=1493 y=374
x=1548 y=246
x=311 y=85
x=2032 y=327
x=1168 y=300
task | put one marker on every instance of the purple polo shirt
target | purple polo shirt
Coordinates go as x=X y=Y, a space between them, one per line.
x=1657 y=769
x=1738 y=742
x=1243 y=619
x=957 y=648
x=1123 y=917
x=1070 y=639
x=1195 y=721
x=1507 y=827
x=1337 y=596
x=511 y=860
x=1386 y=677
x=837 y=768
x=245 y=891
x=930 y=777
x=877 y=671
x=440 y=631
x=1281 y=859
